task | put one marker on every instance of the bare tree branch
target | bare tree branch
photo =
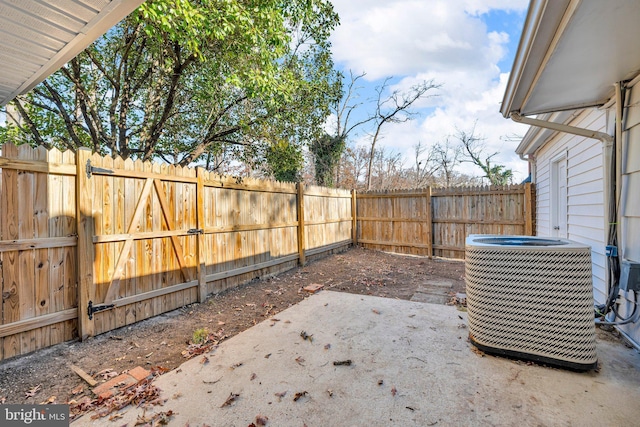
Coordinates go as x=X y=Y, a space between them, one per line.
x=474 y=151
x=30 y=124
x=395 y=109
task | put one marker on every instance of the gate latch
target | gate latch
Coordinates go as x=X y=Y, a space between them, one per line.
x=96 y=308
x=195 y=231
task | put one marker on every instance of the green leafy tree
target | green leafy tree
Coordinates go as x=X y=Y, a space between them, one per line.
x=192 y=82
x=285 y=161
x=327 y=151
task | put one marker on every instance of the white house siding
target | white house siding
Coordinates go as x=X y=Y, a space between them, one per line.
x=585 y=190
x=630 y=197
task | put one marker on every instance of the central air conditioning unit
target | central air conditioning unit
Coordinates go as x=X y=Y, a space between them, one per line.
x=531 y=298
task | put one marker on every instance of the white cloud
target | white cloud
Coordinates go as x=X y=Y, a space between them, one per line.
x=405 y=37
x=477 y=7
x=449 y=42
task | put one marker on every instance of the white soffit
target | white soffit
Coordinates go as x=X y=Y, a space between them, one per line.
x=571 y=54
x=37 y=37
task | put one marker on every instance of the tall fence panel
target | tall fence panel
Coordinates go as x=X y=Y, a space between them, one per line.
x=436 y=222
x=250 y=230
x=395 y=221
x=37 y=249
x=327 y=218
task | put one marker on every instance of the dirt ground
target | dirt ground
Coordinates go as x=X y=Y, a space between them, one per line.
x=164 y=341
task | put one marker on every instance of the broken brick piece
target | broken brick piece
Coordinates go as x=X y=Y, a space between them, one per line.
x=110 y=388
x=313 y=288
x=139 y=373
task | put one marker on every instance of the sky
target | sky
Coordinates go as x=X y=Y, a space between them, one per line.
x=466 y=46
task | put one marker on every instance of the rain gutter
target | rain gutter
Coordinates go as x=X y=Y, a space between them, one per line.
x=587 y=133
x=533 y=22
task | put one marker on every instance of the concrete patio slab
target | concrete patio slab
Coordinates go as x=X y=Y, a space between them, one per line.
x=411 y=365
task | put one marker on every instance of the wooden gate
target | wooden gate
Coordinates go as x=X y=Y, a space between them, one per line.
x=138 y=238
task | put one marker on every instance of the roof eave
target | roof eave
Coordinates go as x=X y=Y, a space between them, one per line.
x=113 y=13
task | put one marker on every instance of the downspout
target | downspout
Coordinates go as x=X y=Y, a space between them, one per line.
x=618 y=148
x=531 y=161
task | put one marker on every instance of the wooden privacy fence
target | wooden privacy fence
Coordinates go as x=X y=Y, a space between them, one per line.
x=90 y=243
x=436 y=221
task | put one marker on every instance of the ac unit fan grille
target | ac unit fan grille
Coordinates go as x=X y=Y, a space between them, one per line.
x=537 y=302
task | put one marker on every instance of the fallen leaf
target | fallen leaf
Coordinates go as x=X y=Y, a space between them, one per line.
x=220 y=322
x=299 y=395
x=204 y=360
x=159 y=370
x=232 y=398
x=107 y=374
x=266 y=356
x=211 y=382
x=394 y=391
x=79 y=389
x=253 y=377
x=161 y=418
x=115 y=417
x=281 y=394
x=33 y=391
x=375 y=311
x=50 y=400
x=477 y=351
x=261 y=420
x=306 y=336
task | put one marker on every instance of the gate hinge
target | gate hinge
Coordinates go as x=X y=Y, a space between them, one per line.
x=93 y=169
x=195 y=231
x=95 y=308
